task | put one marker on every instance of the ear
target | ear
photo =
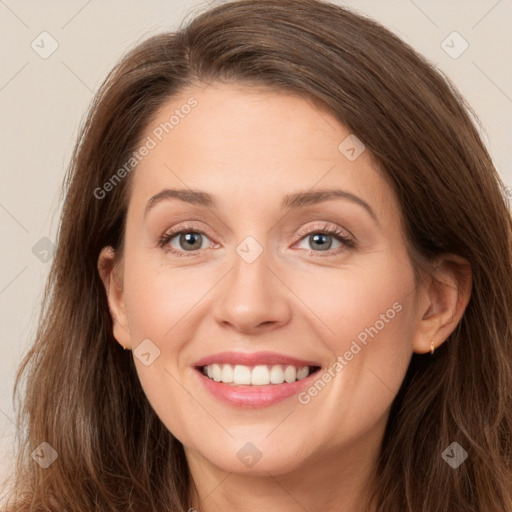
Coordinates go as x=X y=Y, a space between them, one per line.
x=442 y=302
x=113 y=282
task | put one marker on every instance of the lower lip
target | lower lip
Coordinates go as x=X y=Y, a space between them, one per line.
x=253 y=396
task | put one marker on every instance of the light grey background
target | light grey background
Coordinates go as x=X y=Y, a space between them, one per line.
x=42 y=101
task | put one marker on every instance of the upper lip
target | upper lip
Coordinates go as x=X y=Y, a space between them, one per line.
x=253 y=359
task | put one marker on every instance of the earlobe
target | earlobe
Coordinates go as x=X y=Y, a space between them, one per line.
x=443 y=303
x=112 y=281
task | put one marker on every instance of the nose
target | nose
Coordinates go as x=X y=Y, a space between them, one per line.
x=253 y=297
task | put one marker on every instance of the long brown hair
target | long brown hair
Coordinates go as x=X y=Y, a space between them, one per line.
x=83 y=396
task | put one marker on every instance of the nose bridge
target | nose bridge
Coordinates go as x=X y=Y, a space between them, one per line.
x=251 y=295
x=251 y=267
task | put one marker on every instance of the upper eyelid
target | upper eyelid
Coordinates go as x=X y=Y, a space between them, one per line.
x=190 y=225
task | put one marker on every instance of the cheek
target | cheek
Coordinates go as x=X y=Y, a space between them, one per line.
x=159 y=307
x=369 y=314
x=159 y=299
x=360 y=303
x=367 y=319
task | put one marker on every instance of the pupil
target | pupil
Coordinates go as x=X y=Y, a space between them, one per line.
x=317 y=239
x=192 y=238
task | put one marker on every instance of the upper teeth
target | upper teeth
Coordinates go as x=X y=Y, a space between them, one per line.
x=255 y=375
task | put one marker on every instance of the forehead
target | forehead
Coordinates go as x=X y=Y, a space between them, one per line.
x=238 y=141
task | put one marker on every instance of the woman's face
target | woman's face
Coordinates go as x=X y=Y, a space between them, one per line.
x=257 y=283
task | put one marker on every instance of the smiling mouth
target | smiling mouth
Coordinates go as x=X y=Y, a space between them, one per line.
x=259 y=375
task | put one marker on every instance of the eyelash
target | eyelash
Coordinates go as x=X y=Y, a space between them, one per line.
x=325 y=230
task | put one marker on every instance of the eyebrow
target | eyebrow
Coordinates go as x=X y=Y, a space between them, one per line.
x=290 y=201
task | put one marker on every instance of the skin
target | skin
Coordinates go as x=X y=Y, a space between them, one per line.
x=248 y=148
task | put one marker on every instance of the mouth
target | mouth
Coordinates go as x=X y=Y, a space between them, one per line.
x=254 y=380
x=259 y=375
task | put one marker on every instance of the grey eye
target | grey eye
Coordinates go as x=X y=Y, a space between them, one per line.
x=320 y=241
x=188 y=241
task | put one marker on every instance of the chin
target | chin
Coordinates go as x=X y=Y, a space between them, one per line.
x=254 y=459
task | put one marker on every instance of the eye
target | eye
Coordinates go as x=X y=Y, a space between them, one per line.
x=321 y=240
x=188 y=240
x=184 y=240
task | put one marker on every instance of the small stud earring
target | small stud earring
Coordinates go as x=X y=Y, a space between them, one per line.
x=432 y=347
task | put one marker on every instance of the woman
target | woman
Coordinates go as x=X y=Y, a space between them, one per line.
x=289 y=218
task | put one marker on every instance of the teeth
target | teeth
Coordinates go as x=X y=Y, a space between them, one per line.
x=216 y=373
x=290 y=374
x=241 y=374
x=276 y=375
x=302 y=373
x=227 y=373
x=260 y=375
